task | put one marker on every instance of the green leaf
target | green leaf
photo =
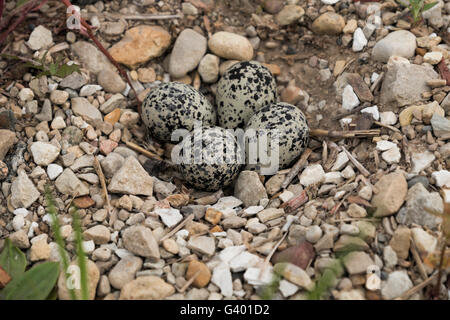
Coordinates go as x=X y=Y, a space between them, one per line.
x=65 y=70
x=428 y=6
x=12 y=260
x=21 y=3
x=35 y=284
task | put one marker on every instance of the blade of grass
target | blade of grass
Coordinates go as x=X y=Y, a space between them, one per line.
x=81 y=256
x=58 y=237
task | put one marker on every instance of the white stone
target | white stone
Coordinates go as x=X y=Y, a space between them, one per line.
x=169 y=216
x=53 y=171
x=88 y=246
x=334 y=177
x=341 y=161
x=287 y=288
x=227 y=202
x=44 y=153
x=349 y=98
x=221 y=277
x=398 y=283
x=243 y=261
x=393 y=155
x=425 y=242
x=250 y=211
x=442 y=178
x=389 y=257
x=313 y=234
x=89 y=90
x=40 y=38
x=227 y=254
x=259 y=276
x=359 y=40
x=18 y=222
x=373 y=111
x=398 y=43
x=433 y=57
x=329 y=1
x=58 y=123
x=348 y=172
x=388 y=118
x=313 y=174
x=26 y=94
x=21 y=211
x=286 y=196
x=421 y=161
x=374 y=77
x=385 y=145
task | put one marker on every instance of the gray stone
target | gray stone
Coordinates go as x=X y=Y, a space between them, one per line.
x=357 y=262
x=69 y=184
x=405 y=83
x=140 y=241
x=188 y=50
x=124 y=271
x=73 y=81
x=23 y=191
x=131 y=179
x=398 y=43
x=40 y=38
x=249 y=188
x=202 y=244
x=7 y=140
x=421 y=161
x=209 y=68
x=417 y=200
x=116 y=101
x=398 y=283
x=83 y=108
x=99 y=234
x=111 y=164
x=92 y=58
x=441 y=125
x=111 y=81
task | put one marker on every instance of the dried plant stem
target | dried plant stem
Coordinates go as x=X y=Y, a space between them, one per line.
x=144 y=16
x=417 y=288
x=189 y=282
x=98 y=169
x=345 y=134
x=296 y=168
x=356 y=163
x=386 y=126
x=417 y=259
x=145 y=152
x=178 y=227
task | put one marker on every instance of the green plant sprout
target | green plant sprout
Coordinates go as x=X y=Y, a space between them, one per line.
x=417 y=7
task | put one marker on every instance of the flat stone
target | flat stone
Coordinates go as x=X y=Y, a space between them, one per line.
x=140 y=241
x=418 y=199
x=131 y=179
x=169 y=216
x=99 y=234
x=188 y=50
x=92 y=58
x=83 y=108
x=202 y=244
x=425 y=242
x=346 y=242
x=390 y=195
x=421 y=161
x=441 y=125
x=397 y=283
x=40 y=38
x=111 y=81
x=221 y=277
x=44 y=153
x=357 y=262
x=359 y=87
x=270 y=214
x=313 y=174
x=289 y=14
x=146 y=288
x=294 y=274
x=140 y=44
x=69 y=184
x=249 y=188
x=93 y=275
x=124 y=271
x=230 y=46
x=442 y=178
x=404 y=84
x=398 y=43
x=23 y=191
x=301 y=255
x=349 y=98
x=7 y=140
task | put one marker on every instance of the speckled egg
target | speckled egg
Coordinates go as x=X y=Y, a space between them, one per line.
x=174 y=105
x=209 y=158
x=291 y=126
x=245 y=88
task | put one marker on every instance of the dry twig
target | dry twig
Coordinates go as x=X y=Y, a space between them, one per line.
x=296 y=168
x=101 y=176
x=356 y=163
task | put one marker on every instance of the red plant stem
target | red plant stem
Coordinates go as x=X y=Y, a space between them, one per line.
x=5 y=34
x=90 y=34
